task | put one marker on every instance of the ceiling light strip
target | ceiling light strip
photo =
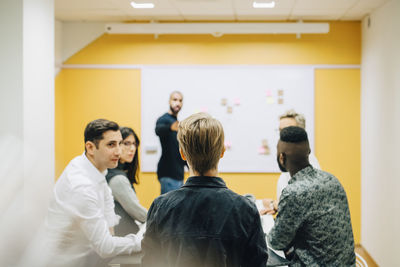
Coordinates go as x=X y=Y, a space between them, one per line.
x=142 y=5
x=264 y=5
x=218 y=28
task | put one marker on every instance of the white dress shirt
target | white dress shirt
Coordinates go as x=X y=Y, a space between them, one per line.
x=285 y=176
x=80 y=215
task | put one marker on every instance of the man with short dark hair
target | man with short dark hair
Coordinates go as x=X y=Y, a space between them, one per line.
x=170 y=168
x=289 y=118
x=203 y=223
x=81 y=214
x=313 y=214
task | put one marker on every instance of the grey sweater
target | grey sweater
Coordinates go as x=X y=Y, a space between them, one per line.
x=126 y=205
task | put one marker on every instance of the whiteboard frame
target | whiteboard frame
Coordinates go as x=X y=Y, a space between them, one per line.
x=230 y=66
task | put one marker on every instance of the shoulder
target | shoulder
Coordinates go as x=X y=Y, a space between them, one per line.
x=75 y=180
x=330 y=182
x=323 y=175
x=158 y=208
x=321 y=182
x=296 y=190
x=119 y=180
x=242 y=203
x=164 y=117
x=111 y=173
x=77 y=194
x=75 y=175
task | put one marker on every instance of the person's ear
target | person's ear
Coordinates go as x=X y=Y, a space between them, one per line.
x=182 y=155
x=282 y=159
x=223 y=152
x=90 y=147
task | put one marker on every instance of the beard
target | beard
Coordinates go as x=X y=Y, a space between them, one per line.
x=173 y=110
x=281 y=167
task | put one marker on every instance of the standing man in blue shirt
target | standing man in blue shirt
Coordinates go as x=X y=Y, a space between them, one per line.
x=170 y=167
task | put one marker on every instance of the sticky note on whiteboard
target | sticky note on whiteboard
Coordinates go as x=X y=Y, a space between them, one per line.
x=270 y=100
x=204 y=109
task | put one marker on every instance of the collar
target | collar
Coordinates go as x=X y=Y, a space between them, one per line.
x=205 y=181
x=171 y=115
x=305 y=172
x=93 y=172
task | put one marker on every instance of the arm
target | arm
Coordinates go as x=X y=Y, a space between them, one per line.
x=86 y=207
x=126 y=196
x=151 y=242
x=270 y=206
x=163 y=126
x=109 y=210
x=287 y=222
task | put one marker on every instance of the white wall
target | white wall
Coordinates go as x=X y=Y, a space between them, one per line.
x=27 y=121
x=58 y=30
x=11 y=68
x=380 y=122
x=71 y=37
x=77 y=35
x=38 y=98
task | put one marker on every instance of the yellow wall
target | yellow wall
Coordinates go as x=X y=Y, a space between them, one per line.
x=86 y=94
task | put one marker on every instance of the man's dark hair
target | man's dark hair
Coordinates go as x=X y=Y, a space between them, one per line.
x=95 y=129
x=293 y=134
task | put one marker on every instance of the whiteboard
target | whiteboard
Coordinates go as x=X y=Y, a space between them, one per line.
x=247 y=100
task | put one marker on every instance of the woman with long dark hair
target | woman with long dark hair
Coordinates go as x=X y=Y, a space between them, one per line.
x=121 y=181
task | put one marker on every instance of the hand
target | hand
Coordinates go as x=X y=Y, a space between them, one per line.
x=174 y=126
x=270 y=206
x=137 y=242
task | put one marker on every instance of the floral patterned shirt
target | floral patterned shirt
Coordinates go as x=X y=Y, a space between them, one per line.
x=314 y=218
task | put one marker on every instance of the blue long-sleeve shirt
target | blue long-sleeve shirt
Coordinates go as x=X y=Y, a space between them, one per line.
x=170 y=164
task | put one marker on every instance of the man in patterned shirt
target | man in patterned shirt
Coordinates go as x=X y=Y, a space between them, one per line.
x=313 y=220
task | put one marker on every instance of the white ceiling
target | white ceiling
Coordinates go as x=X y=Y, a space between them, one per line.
x=213 y=10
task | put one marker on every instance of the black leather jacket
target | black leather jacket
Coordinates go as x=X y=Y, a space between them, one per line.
x=203 y=224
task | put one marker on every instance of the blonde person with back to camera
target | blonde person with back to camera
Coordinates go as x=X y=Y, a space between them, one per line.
x=203 y=223
x=289 y=118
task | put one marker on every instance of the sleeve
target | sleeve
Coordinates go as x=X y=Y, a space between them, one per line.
x=151 y=242
x=109 y=208
x=256 y=253
x=126 y=196
x=289 y=219
x=87 y=210
x=163 y=126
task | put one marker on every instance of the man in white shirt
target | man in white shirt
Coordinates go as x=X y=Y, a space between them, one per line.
x=289 y=118
x=81 y=214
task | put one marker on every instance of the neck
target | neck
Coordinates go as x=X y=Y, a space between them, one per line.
x=172 y=113
x=296 y=168
x=211 y=173
x=91 y=159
